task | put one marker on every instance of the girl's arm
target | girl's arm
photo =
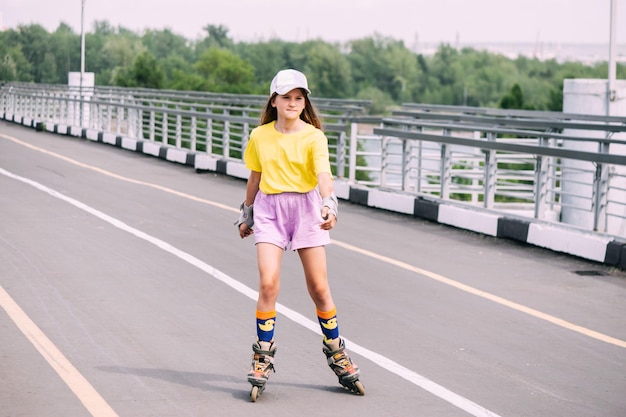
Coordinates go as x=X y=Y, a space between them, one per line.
x=252 y=187
x=325 y=184
x=327 y=191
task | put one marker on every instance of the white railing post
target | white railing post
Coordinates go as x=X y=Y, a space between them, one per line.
x=226 y=136
x=354 y=129
x=445 y=174
x=491 y=172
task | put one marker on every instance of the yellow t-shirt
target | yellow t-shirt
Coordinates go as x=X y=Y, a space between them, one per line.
x=287 y=162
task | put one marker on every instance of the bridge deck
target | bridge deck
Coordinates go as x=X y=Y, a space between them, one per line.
x=126 y=291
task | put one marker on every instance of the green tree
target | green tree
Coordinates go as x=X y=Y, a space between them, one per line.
x=368 y=69
x=556 y=99
x=120 y=51
x=65 y=49
x=403 y=64
x=108 y=48
x=164 y=43
x=443 y=65
x=94 y=60
x=381 y=101
x=224 y=72
x=376 y=67
x=483 y=77
x=445 y=83
x=8 y=69
x=183 y=80
x=174 y=67
x=13 y=64
x=48 y=69
x=266 y=58
x=33 y=41
x=216 y=37
x=514 y=99
x=329 y=70
x=145 y=72
x=386 y=64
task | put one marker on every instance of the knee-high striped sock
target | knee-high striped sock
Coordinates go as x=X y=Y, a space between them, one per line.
x=265 y=321
x=328 y=323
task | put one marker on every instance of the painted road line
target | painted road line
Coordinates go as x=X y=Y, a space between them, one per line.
x=118 y=177
x=488 y=296
x=84 y=391
x=445 y=394
x=429 y=274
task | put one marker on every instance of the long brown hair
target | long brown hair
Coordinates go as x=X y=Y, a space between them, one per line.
x=309 y=114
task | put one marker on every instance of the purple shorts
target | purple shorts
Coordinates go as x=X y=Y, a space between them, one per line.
x=289 y=220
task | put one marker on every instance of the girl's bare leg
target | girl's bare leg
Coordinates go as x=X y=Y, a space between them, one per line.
x=269 y=259
x=314 y=264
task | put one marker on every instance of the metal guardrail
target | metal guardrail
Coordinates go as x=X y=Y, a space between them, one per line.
x=550 y=166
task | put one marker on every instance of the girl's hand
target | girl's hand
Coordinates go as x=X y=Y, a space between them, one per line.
x=245 y=230
x=329 y=220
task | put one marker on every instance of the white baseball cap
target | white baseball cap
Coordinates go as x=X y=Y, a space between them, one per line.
x=287 y=80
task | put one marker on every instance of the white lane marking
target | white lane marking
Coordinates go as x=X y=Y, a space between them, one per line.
x=392 y=366
x=84 y=391
x=432 y=275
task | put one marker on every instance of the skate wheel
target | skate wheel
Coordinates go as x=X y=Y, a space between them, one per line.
x=254 y=394
x=359 y=388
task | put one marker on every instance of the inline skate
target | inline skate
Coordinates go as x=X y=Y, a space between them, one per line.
x=341 y=364
x=261 y=367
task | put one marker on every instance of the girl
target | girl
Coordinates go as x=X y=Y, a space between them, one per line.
x=290 y=201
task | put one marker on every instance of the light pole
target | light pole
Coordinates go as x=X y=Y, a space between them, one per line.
x=82 y=57
x=82 y=39
x=612 y=93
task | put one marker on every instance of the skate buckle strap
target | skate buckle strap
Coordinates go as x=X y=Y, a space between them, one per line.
x=340 y=363
x=264 y=358
x=270 y=352
x=260 y=351
x=263 y=362
x=339 y=359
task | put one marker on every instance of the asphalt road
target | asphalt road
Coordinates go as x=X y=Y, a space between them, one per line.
x=126 y=291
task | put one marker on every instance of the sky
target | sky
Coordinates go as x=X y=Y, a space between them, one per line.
x=421 y=21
